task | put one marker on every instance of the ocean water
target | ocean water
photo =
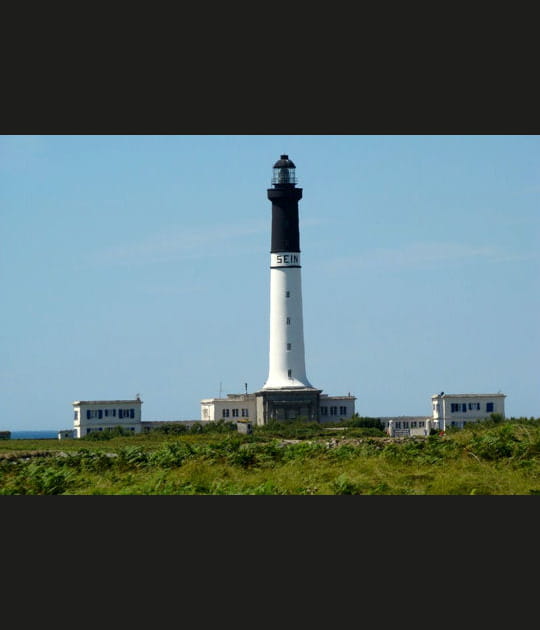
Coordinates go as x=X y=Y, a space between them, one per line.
x=34 y=435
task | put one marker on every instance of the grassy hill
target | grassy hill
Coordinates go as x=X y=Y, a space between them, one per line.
x=493 y=457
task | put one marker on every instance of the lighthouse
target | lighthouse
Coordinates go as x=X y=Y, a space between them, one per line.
x=287 y=393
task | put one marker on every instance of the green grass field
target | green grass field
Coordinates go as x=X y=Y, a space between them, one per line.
x=488 y=458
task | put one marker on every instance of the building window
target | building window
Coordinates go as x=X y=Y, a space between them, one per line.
x=454 y=407
x=245 y=413
x=287 y=294
x=324 y=411
x=343 y=411
x=413 y=424
x=453 y=423
x=421 y=423
x=288 y=321
x=225 y=413
x=75 y=415
x=489 y=406
x=333 y=411
x=398 y=424
x=464 y=407
x=289 y=373
x=288 y=346
x=405 y=424
x=235 y=413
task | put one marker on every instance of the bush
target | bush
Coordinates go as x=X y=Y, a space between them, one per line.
x=294 y=429
x=37 y=478
x=168 y=428
x=107 y=434
x=343 y=485
x=357 y=421
x=498 y=444
x=171 y=455
x=132 y=456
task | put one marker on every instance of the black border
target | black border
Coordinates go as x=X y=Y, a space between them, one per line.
x=447 y=94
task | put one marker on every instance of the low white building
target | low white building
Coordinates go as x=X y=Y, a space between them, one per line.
x=336 y=408
x=406 y=426
x=99 y=415
x=230 y=409
x=64 y=434
x=243 y=407
x=455 y=410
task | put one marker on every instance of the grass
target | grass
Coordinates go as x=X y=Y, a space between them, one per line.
x=491 y=458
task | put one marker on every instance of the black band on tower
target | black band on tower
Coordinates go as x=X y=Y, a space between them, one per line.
x=284 y=197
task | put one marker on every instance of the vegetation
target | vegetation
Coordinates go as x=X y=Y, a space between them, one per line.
x=494 y=457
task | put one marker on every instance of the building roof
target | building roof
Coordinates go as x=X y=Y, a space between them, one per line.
x=135 y=401
x=466 y=395
x=284 y=162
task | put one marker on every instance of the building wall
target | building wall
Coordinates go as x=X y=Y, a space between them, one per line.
x=244 y=407
x=454 y=410
x=336 y=408
x=231 y=409
x=66 y=434
x=99 y=415
x=407 y=425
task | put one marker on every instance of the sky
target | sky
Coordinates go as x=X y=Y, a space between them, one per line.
x=139 y=264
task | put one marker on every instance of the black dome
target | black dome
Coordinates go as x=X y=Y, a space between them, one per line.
x=284 y=162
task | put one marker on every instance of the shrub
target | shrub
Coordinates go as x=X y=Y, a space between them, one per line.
x=132 y=456
x=244 y=458
x=343 y=485
x=358 y=421
x=303 y=450
x=36 y=478
x=171 y=455
x=495 y=445
x=168 y=428
x=297 y=429
x=107 y=434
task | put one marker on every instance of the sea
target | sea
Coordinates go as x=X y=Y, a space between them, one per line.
x=34 y=435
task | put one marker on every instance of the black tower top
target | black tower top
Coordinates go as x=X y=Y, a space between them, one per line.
x=284 y=197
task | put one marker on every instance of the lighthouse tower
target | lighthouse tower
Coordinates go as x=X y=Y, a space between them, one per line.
x=287 y=393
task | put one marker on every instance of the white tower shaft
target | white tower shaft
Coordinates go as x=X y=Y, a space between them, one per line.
x=287 y=368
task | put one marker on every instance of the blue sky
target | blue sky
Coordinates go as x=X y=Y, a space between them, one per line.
x=139 y=265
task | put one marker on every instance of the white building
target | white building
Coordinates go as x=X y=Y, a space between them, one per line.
x=64 y=434
x=455 y=410
x=230 y=409
x=243 y=407
x=99 y=415
x=336 y=408
x=406 y=426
